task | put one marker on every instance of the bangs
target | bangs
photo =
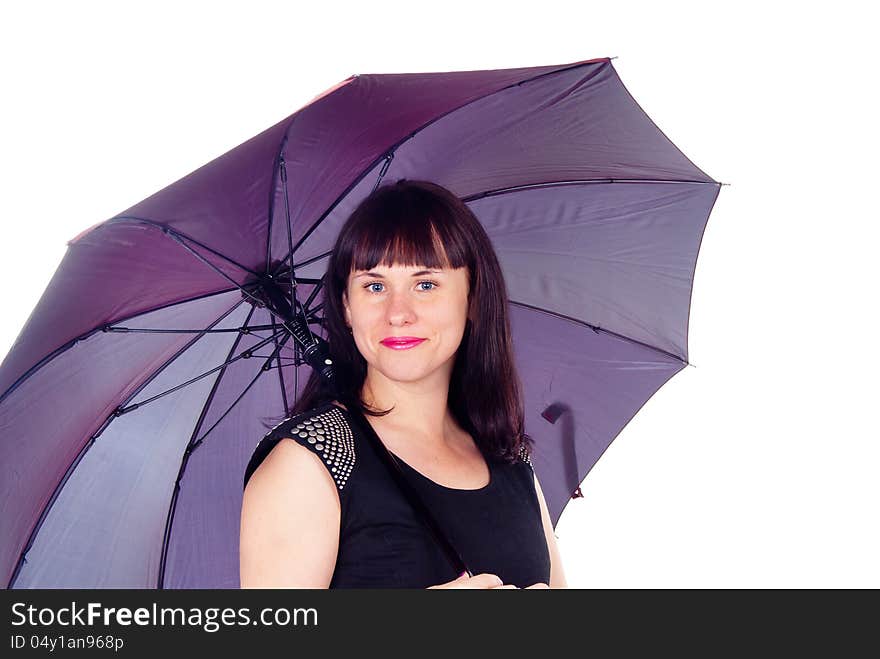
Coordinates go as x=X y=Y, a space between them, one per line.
x=408 y=235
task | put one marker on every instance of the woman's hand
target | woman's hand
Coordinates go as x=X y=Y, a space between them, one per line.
x=484 y=581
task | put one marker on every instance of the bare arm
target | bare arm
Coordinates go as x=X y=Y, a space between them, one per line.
x=290 y=518
x=557 y=575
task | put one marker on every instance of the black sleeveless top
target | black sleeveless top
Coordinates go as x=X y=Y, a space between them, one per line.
x=383 y=541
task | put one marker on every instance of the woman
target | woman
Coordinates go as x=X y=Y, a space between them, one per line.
x=412 y=263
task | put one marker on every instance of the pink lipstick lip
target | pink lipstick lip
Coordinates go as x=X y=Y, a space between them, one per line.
x=401 y=343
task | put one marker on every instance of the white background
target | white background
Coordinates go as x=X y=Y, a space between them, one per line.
x=757 y=466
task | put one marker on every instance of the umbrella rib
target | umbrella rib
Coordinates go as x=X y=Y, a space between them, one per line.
x=178 y=236
x=271 y=204
x=243 y=290
x=82 y=337
x=315 y=258
x=88 y=444
x=390 y=151
x=598 y=329
x=318 y=286
x=281 y=374
x=278 y=367
x=547 y=184
x=526 y=186
x=180 y=239
x=198 y=424
x=263 y=368
x=243 y=330
x=283 y=168
x=188 y=452
x=244 y=355
x=223 y=274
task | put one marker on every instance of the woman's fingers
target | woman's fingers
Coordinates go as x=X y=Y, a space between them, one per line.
x=483 y=580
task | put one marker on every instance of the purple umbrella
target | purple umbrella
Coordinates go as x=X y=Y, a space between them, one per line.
x=136 y=392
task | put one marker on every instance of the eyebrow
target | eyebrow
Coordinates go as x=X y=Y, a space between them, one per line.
x=415 y=274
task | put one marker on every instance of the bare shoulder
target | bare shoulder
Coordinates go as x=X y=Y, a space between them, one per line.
x=290 y=479
x=290 y=521
x=308 y=456
x=324 y=431
x=292 y=469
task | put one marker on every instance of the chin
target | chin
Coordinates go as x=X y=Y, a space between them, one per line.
x=405 y=366
x=404 y=375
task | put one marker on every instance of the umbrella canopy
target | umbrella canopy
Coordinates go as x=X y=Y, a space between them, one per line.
x=136 y=392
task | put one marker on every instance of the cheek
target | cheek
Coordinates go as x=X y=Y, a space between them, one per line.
x=366 y=316
x=451 y=326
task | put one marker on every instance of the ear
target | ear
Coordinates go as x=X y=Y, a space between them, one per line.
x=346 y=309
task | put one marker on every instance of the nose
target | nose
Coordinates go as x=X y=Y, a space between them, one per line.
x=399 y=311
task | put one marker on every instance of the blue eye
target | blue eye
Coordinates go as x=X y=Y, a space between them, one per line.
x=379 y=283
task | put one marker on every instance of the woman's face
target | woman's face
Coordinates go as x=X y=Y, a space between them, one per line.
x=399 y=301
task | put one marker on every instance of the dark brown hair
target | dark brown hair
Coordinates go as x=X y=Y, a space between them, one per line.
x=419 y=223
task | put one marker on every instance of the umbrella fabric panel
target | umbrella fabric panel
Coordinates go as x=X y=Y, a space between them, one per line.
x=204 y=541
x=618 y=256
x=575 y=124
x=114 y=272
x=49 y=418
x=581 y=388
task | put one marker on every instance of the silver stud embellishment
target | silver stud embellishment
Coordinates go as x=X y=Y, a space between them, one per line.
x=525 y=456
x=328 y=434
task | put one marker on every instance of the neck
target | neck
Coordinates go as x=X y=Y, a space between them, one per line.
x=421 y=409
